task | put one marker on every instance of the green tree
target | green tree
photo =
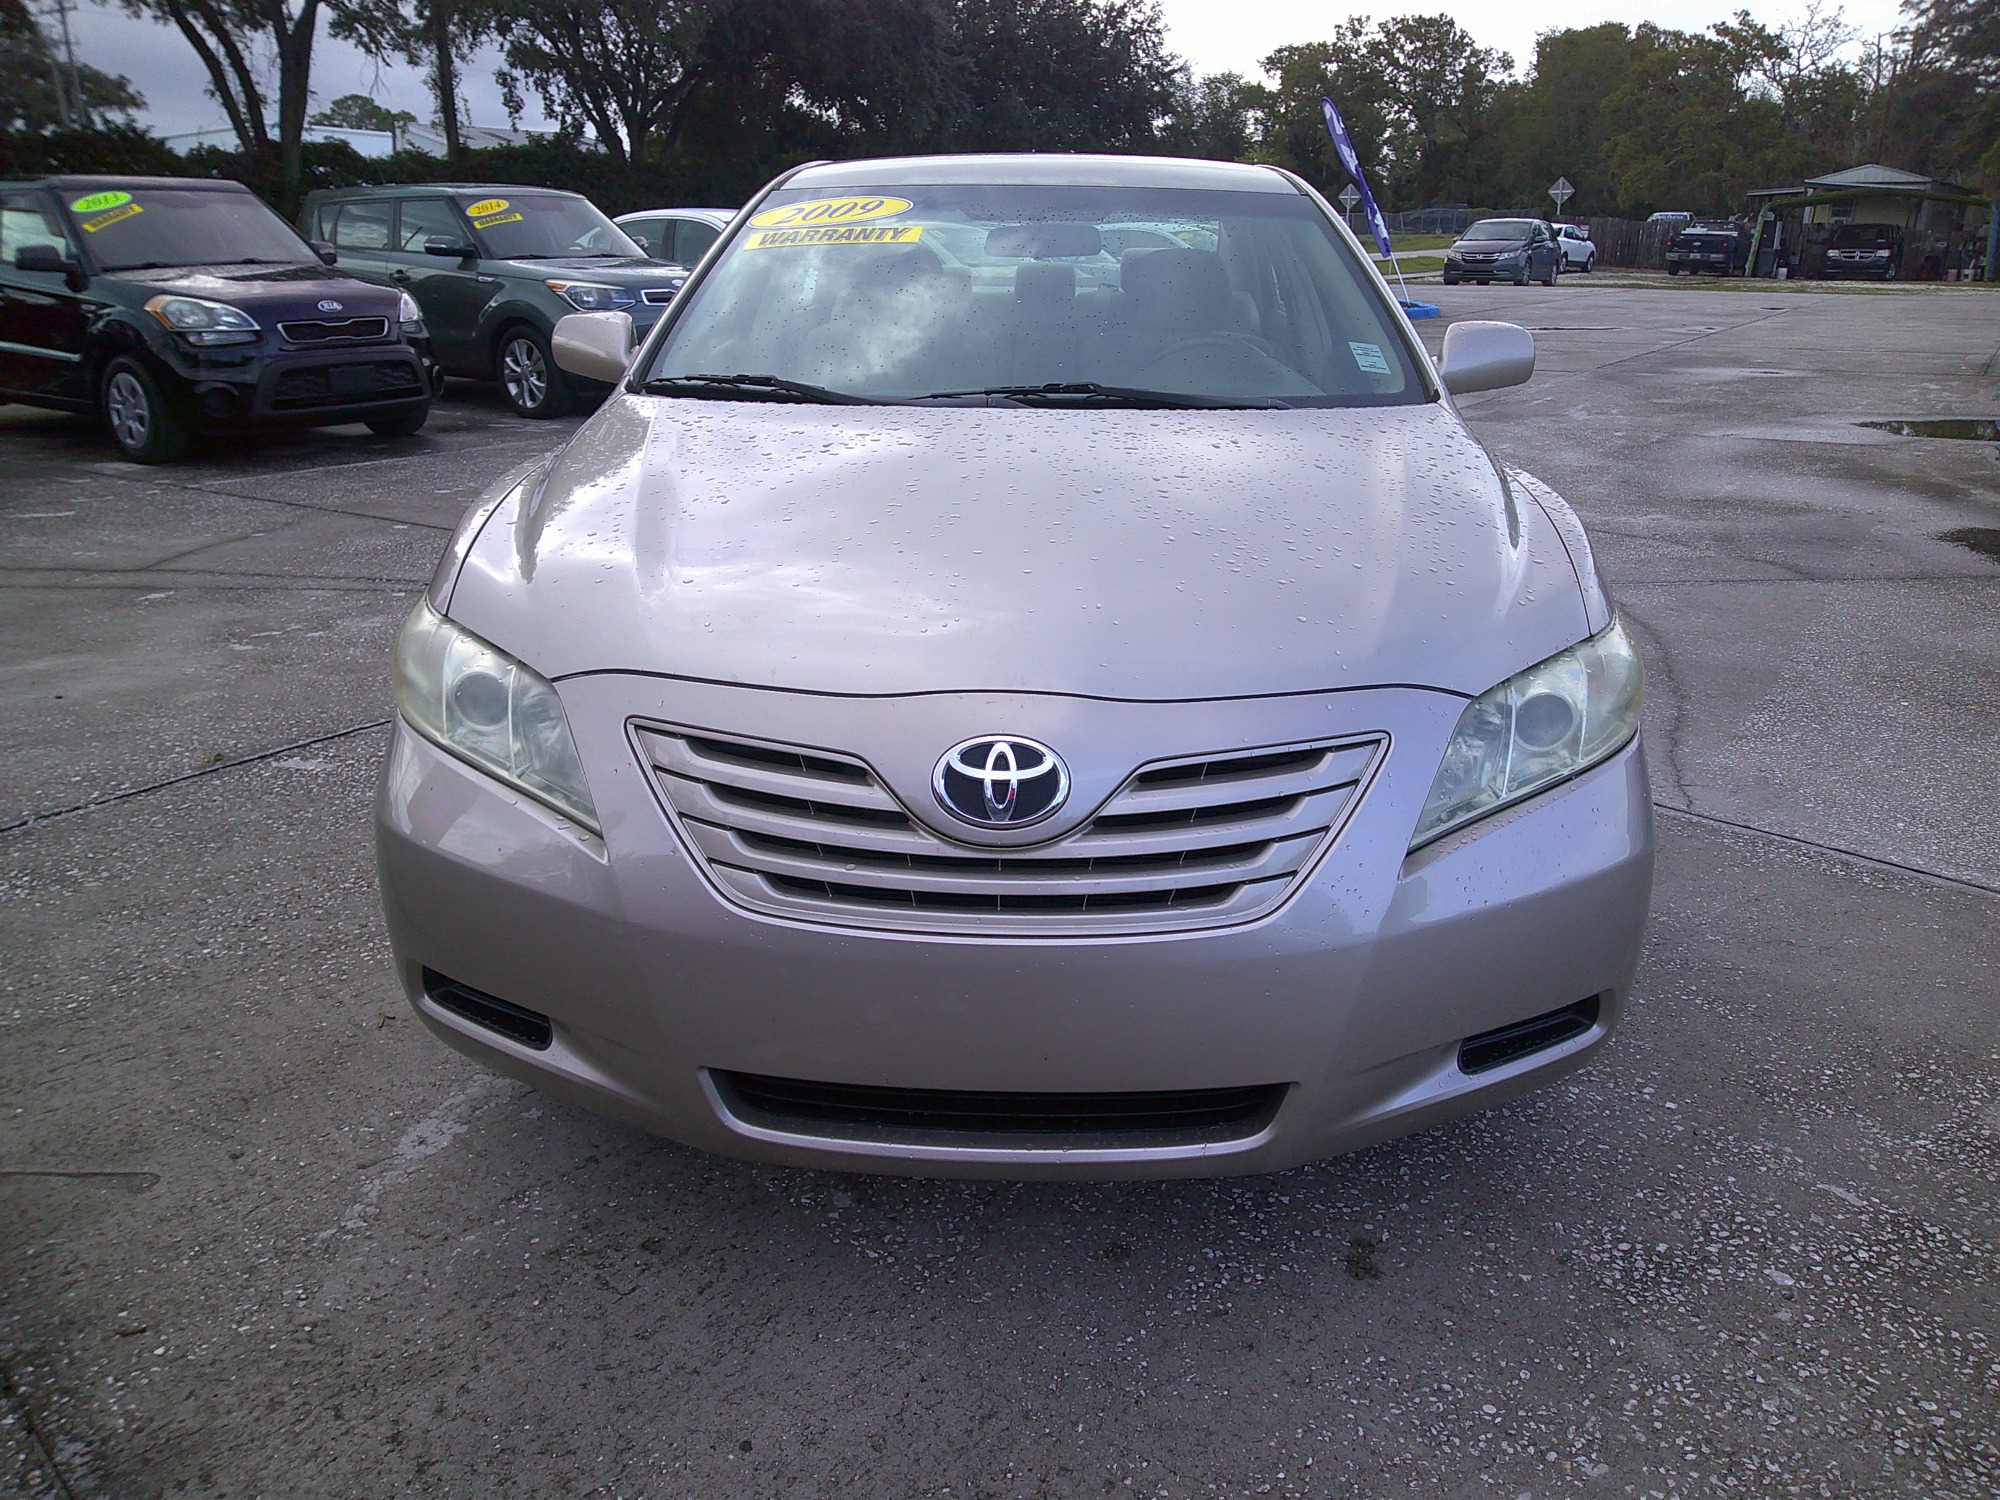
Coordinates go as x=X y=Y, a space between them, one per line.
x=1061 y=75
x=247 y=46
x=1440 y=87
x=439 y=36
x=1291 y=132
x=359 y=112
x=1214 y=116
x=34 y=87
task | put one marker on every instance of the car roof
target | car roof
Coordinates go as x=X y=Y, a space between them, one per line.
x=723 y=215
x=1041 y=170
x=67 y=182
x=410 y=189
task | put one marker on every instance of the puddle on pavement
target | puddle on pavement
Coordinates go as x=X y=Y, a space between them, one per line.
x=1969 y=429
x=1985 y=540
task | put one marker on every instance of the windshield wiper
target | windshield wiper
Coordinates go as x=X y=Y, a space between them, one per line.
x=749 y=388
x=1089 y=392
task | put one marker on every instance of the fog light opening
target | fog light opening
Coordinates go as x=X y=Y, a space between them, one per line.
x=1506 y=1044
x=527 y=1028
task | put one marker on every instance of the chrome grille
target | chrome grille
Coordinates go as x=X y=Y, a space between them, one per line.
x=1196 y=842
x=335 y=330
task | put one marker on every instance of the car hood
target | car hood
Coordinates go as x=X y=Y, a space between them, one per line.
x=1486 y=246
x=280 y=290
x=625 y=272
x=1127 y=554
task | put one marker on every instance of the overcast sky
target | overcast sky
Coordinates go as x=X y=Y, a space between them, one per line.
x=1215 y=35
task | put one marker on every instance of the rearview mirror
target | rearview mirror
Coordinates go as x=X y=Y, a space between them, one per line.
x=442 y=244
x=597 y=346
x=1051 y=241
x=327 y=254
x=1481 y=356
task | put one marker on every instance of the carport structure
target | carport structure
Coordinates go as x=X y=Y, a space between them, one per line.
x=1951 y=233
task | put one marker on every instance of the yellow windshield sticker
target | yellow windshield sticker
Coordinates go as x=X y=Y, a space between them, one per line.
x=117 y=215
x=848 y=234
x=829 y=211
x=486 y=206
x=96 y=203
x=496 y=219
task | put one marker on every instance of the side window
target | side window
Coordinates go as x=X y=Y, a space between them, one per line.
x=424 y=219
x=652 y=233
x=691 y=240
x=362 y=226
x=26 y=219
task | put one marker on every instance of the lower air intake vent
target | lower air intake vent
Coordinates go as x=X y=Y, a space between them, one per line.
x=516 y=1023
x=857 y=1112
x=1494 y=1049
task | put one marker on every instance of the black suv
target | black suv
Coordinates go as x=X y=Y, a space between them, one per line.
x=1718 y=245
x=174 y=306
x=493 y=268
x=1874 y=250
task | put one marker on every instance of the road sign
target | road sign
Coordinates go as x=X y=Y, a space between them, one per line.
x=1562 y=192
x=1348 y=197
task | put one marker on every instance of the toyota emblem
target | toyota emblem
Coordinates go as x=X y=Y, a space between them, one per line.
x=1000 y=781
x=329 y=306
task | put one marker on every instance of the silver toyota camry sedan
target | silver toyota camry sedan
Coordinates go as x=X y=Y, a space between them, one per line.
x=1027 y=675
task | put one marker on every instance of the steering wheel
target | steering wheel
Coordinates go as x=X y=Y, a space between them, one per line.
x=1234 y=342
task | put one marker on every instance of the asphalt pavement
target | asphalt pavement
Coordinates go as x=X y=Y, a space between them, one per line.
x=260 y=1235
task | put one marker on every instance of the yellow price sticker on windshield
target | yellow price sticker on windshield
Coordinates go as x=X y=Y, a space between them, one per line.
x=496 y=219
x=844 y=234
x=829 y=211
x=96 y=203
x=116 y=216
x=486 y=206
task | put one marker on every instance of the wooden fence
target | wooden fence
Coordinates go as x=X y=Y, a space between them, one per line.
x=1632 y=243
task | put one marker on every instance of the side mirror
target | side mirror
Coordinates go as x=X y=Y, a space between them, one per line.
x=1484 y=357
x=597 y=346
x=327 y=254
x=441 y=244
x=50 y=261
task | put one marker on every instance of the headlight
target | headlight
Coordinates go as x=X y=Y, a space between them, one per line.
x=489 y=710
x=202 y=322
x=1562 y=716
x=411 y=317
x=592 y=297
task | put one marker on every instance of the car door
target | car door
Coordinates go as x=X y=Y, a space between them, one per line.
x=362 y=229
x=690 y=241
x=450 y=289
x=656 y=235
x=43 y=320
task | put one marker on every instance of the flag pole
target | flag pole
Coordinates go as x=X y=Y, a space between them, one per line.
x=1351 y=160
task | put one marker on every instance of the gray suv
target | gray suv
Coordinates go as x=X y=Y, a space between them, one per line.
x=493 y=267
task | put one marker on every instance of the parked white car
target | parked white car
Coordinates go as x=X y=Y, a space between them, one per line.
x=681 y=235
x=1578 y=251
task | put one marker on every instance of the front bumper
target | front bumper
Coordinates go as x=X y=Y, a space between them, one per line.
x=220 y=392
x=1354 y=995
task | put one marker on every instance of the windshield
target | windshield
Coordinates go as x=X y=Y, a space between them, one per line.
x=1864 y=234
x=1501 y=229
x=1203 y=297
x=542 y=226
x=184 y=227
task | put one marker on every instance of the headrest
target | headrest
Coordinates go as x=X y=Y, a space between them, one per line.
x=1044 y=282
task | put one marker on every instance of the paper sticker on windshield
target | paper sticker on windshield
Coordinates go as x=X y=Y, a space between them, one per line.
x=486 y=206
x=1369 y=357
x=488 y=223
x=96 y=203
x=829 y=211
x=846 y=234
x=117 y=215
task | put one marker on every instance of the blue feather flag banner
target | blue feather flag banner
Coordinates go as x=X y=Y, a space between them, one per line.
x=1350 y=160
